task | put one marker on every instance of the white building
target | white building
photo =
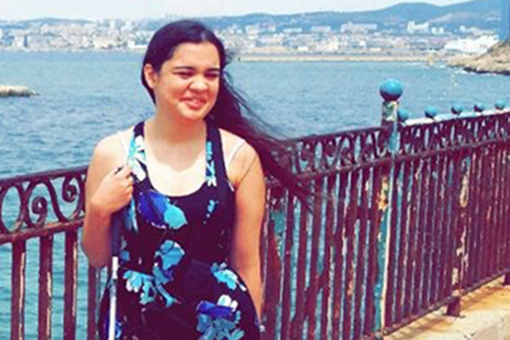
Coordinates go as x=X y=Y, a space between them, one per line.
x=357 y=28
x=414 y=28
x=292 y=30
x=472 y=46
x=320 y=29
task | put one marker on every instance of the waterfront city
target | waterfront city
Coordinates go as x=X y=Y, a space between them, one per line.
x=259 y=39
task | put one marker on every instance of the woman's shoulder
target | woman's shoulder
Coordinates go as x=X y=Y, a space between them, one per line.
x=113 y=148
x=239 y=155
x=234 y=144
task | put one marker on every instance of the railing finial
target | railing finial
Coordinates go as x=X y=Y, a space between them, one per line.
x=500 y=105
x=479 y=107
x=431 y=112
x=391 y=91
x=402 y=115
x=457 y=109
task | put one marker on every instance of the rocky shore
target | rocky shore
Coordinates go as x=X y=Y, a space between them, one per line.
x=15 y=91
x=496 y=60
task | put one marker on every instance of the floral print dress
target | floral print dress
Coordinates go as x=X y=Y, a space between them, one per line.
x=174 y=282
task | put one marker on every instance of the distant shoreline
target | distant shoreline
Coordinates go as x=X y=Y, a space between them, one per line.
x=430 y=59
x=381 y=58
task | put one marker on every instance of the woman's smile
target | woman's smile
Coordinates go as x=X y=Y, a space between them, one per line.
x=195 y=103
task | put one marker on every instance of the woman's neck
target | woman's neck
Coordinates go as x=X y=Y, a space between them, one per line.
x=162 y=128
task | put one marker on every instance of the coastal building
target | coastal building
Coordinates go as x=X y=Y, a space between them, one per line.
x=104 y=43
x=357 y=28
x=293 y=30
x=320 y=29
x=437 y=30
x=252 y=29
x=471 y=46
x=414 y=28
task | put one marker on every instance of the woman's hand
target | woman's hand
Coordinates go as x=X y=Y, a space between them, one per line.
x=114 y=192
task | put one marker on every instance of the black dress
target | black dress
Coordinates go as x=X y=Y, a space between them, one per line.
x=174 y=282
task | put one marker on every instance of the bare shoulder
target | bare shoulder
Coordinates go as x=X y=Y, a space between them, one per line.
x=110 y=152
x=240 y=153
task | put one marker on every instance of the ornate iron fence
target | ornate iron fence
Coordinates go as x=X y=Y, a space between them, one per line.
x=406 y=219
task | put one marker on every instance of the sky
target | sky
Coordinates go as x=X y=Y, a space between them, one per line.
x=139 y=9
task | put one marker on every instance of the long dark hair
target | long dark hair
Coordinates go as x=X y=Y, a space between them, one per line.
x=231 y=110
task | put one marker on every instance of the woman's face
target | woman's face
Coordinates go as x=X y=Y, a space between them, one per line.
x=187 y=85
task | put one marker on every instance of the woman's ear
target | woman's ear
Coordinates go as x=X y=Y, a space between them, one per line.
x=150 y=75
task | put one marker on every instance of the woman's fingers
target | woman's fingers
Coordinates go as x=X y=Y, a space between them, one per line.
x=123 y=171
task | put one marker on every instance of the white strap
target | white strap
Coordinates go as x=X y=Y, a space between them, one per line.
x=124 y=146
x=233 y=153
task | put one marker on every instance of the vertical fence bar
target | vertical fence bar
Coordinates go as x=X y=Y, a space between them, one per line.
x=433 y=230
x=371 y=325
x=420 y=236
x=325 y=312
x=92 y=301
x=45 y=287
x=274 y=270
x=473 y=222
x=339 y=257
x=499 y=203
x=441 y=227
x=462 y=164
x=352 y=212
x=299 y=317
x=412 y=239
x=71 y=265
x=392 y=245
x=403 y=254
x=362 y=250
x=506 y=210
x=311 y=297
x=19 y=261
x=428 y=200
x=288 y=269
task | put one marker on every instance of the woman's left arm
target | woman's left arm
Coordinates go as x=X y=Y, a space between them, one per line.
x=250 y=204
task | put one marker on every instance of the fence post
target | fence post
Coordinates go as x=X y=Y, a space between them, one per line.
x=391 y=90
x=461 y=168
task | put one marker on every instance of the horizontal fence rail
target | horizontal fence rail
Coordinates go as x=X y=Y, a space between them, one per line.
x=403 y=220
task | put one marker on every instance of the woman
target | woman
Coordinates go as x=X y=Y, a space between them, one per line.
x=194 y=195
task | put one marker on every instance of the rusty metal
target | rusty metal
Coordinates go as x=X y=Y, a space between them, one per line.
x=391 y=235
x=71 y=285
x=45 y=287
x=18 y=284
x=92 y=301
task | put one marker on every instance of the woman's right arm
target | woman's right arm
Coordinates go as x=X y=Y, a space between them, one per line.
x=106 y=191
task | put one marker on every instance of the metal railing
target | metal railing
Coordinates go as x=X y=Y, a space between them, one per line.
x=406 y=219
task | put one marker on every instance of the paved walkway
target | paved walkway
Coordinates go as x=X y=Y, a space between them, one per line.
x=485 y=315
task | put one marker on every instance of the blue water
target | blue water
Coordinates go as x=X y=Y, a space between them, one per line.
x=85 y=96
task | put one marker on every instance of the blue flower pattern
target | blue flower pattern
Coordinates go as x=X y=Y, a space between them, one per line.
x=174 y=216
x=210 y=171
x=167 y=257
x=141 y=283
x=136 y=155
x=224 y=275
x=219 y=321
x=210 y=209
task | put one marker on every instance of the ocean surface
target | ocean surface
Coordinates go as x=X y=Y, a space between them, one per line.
x=86 y=96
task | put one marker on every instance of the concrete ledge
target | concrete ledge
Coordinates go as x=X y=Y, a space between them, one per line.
x=485 y=315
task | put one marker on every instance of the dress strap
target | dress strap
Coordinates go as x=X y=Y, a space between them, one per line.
x=123 y=143
x=234 y=152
